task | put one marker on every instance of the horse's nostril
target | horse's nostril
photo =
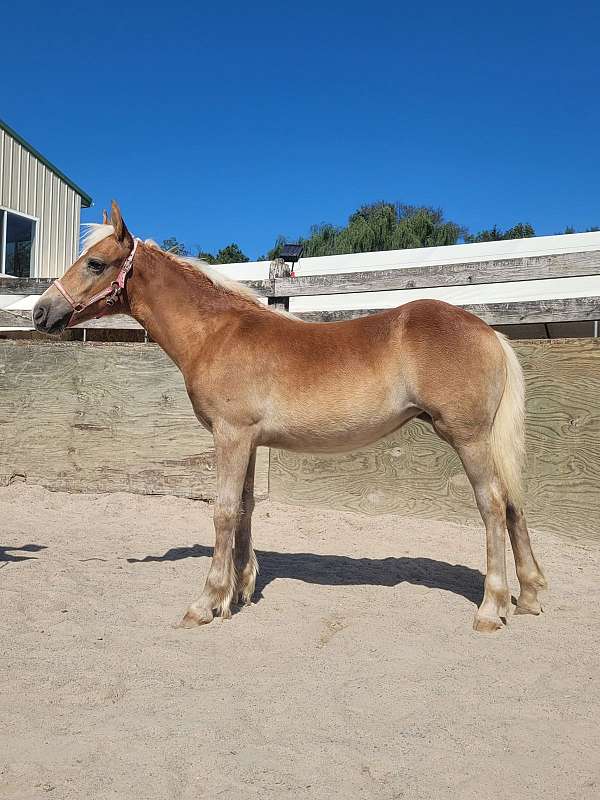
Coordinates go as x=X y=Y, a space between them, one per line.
x=39 y=314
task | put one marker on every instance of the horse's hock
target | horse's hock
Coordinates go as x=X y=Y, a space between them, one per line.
x=111 y=417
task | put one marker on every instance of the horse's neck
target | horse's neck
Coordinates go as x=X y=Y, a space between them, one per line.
x=181 y=309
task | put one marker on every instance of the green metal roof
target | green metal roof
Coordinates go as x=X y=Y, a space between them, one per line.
x=86 y=200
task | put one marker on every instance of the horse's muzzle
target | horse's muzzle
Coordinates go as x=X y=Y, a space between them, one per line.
x=51 y=314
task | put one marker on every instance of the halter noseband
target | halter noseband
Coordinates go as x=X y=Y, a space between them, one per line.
x=112 y=292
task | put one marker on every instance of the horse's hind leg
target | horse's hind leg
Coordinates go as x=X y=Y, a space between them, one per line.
x=531 y=578
x=246 y=566
x=490 y=495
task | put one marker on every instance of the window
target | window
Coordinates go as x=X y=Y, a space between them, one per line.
x=16 y=252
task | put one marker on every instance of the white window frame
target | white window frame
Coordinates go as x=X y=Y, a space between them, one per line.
x=4 y=210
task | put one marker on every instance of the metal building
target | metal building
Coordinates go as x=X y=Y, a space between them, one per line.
x=39 y=211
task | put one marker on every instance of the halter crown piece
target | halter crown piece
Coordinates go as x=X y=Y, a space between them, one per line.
x=112 y=292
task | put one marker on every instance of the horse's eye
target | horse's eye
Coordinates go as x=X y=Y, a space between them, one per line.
x=96 y=266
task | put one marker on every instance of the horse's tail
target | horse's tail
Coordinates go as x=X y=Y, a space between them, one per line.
x=508 y=429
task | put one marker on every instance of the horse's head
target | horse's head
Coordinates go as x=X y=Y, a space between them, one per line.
x=93 y=284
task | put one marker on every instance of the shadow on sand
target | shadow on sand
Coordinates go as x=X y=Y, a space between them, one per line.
x=7 y=553
x=332 y=570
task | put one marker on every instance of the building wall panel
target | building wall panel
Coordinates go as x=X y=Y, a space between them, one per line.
x=28 y=187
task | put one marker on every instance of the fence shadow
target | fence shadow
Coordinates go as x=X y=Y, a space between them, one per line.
x=6 y=556
x=334 y=570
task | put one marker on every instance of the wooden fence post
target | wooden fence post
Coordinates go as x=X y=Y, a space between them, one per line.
x=279 y=269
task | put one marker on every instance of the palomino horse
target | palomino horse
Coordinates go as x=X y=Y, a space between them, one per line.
x=256 y=377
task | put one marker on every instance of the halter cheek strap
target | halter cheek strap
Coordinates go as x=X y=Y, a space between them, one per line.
x=112 y=293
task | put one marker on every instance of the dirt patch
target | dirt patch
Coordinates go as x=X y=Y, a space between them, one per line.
x=355 y=675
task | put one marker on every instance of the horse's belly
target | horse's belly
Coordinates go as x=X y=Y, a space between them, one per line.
x=335 y=435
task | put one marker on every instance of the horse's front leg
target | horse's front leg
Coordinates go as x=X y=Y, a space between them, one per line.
x=246 y=566
x=233 y=451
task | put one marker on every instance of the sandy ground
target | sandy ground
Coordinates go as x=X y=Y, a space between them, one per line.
x=355 y=675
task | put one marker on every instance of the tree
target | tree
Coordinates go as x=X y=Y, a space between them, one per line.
x=207 y=257
x=173 y=246
x=379 y=226
x=522 y=230
x=571 y=229
x=231 y=254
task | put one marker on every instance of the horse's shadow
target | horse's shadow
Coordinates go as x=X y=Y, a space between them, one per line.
x=7 y=553
x=334 y=570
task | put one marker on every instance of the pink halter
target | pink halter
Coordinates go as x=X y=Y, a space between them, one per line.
x=112 y=292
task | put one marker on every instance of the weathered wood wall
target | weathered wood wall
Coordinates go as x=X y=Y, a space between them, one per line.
x=116 y=417
x=102 y=418
x=412 y=472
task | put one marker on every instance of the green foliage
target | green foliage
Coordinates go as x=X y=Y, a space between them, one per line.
x=571 y=229
x=206 y=256
x=373 y=227
x=173 y=246
x=522 y=230
x=231 y=254
x=379 y=226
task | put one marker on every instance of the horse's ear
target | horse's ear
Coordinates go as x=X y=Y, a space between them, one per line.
x=116 y=219
x=104 y=217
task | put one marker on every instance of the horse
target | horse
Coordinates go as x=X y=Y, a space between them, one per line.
x=257 y=376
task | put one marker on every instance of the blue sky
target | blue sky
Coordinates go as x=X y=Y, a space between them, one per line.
x=215 y=122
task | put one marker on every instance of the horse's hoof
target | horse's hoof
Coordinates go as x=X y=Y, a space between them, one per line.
x=194 y=618
x=487 y=625
x=532 y=608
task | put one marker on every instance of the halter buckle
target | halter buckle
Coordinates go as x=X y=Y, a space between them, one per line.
x=114 y=295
